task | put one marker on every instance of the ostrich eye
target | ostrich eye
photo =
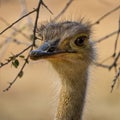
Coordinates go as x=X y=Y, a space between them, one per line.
x=80 y=40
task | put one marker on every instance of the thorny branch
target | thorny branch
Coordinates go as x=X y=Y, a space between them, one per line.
x=20 y=73
x=115 y=56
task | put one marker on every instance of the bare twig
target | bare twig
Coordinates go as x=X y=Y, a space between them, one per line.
x=25 y=11
x=37 y=16
x=116 y=57
x=63 y=10
x=106 y=59
x=41 y=2
x=105 y=15
x=37 y=10
x=106 y=36
x=7 y=41
x=101 y=65
x=18 y=42
x=17 y=21
x=13 y=40
x=115 y=80
x=47 y=7
x=15 y=29
x=36 y=21
x=115 y=61
x=117 y=37
x=114 y=64
x=26 y=61
x=109 y=67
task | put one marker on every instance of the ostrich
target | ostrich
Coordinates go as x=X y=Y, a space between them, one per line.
x=68 y=47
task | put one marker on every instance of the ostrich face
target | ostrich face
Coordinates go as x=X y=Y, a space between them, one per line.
x=67 y=41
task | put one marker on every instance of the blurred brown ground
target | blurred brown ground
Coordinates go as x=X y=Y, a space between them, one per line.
x=33 y=97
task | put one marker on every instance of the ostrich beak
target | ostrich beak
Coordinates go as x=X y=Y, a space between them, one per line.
x=45 y=50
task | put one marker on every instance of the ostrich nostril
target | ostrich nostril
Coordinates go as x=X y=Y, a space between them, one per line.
x=51 y=49
x=32 y=53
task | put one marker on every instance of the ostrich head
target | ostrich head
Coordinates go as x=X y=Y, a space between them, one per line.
x=68 y=47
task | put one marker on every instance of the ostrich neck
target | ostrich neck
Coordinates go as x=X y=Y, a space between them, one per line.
x=72 y=94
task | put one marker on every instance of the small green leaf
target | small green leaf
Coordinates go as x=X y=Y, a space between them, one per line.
x=20 y=74
x=15 y=63
x=22 y=56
